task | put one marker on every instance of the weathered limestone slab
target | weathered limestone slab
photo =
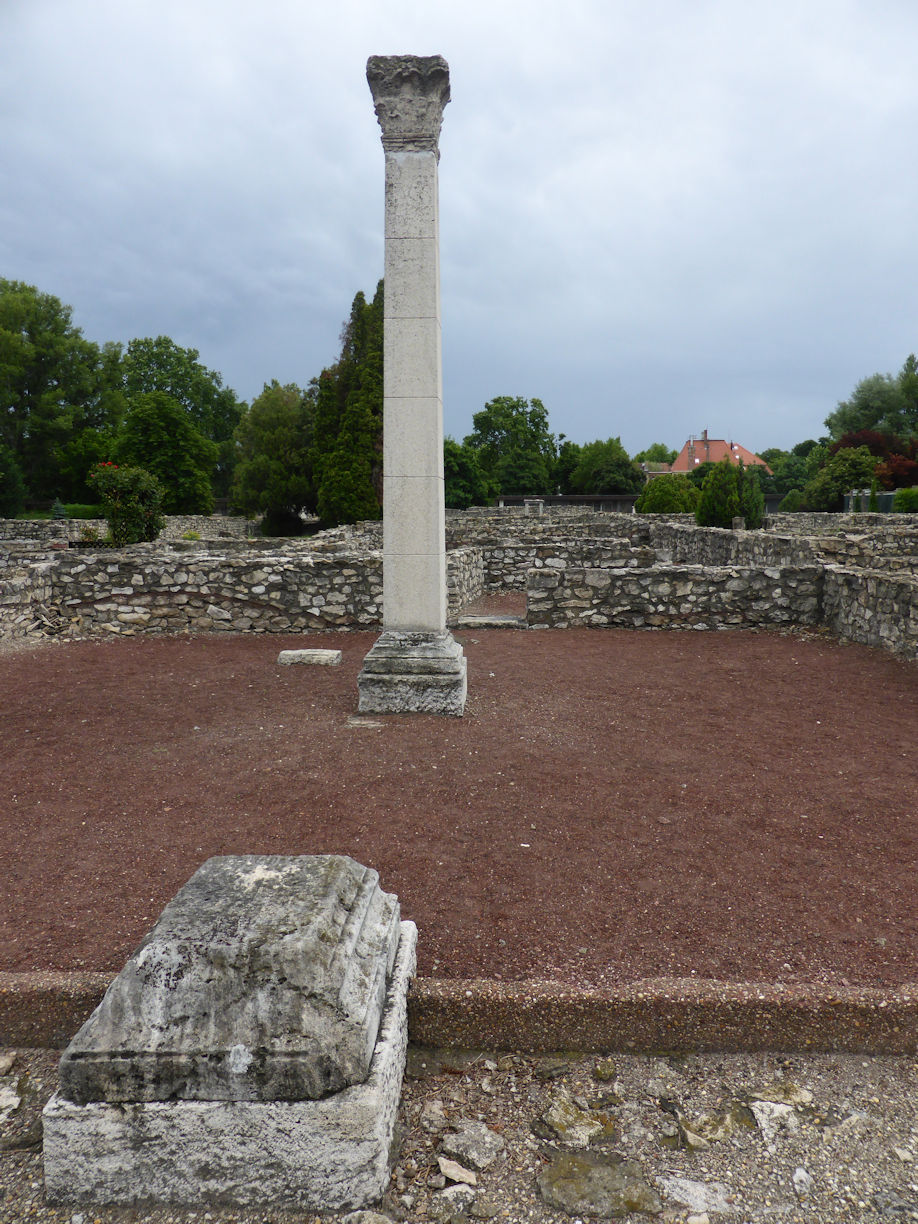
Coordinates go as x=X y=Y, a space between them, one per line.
x=413 y=673
x=263 y=980
x=317 y=658
x=332 y=1154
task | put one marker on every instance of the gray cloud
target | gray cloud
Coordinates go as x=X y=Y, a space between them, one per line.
x=656 y=217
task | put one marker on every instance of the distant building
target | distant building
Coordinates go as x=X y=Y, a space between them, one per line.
x=711 y=450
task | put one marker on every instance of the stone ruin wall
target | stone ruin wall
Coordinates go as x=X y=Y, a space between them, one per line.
x=152 y=589
x=674 y=597
x=582 y=568
x=207 y=527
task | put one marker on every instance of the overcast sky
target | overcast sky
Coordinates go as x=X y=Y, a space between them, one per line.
x=658 y=216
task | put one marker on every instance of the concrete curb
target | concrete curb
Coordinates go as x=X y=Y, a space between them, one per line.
x=45 y=1009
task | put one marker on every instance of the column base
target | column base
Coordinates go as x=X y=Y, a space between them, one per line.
x=413 y=673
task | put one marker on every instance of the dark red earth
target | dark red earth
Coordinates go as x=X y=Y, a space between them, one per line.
x=614 y=805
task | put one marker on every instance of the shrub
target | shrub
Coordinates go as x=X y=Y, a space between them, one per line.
x=191 y=535
x=792 y=502
x=133 y=500
x=281 y=521
x=905 y=501
x=58 y=509
x=719 y=503
x=672 y=494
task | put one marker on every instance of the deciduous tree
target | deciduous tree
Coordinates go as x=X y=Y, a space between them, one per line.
x=54 y=386
x=515 y=447
x=159 y=437
x=273 y=474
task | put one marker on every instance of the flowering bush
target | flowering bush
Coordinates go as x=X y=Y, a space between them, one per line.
x=133 y=500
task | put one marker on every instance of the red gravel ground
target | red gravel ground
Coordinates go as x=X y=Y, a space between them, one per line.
x=614 y=805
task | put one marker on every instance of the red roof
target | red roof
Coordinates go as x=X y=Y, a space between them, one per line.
x=705 y=450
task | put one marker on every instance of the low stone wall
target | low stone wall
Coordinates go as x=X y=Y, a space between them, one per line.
x=654 y=572
x=872 y=607
x=143 y=588
x=155 y=588
x=894 y=548
x=689 y=597
x=505 y=565
x=464 y=578
x=207 y=527
x=25 y=588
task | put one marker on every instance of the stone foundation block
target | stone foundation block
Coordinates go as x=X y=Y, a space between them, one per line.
x=318 y=1155
x=413 y=673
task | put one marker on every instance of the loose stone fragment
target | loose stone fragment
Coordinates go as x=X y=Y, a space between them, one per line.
x=783 y=1092
x=318 y=658
x=474 y=1144
x=697 y=1195
x=589 y=1184
x=803 y=1183
x=564 y=1120
x=604 y=1070
x=433 y=1117
x=773 y=1119
x=455 y=1172
x=451 y=1202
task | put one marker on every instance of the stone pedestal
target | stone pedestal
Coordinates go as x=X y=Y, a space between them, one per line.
x=409 y=93
x=416 y=673
x=251 y=1051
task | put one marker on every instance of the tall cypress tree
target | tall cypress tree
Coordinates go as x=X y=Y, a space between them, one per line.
x=347 y=453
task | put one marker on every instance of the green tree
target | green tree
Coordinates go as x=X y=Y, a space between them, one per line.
x=700 y=472
x=657 y=452
x=161 y=365
x=719 y=503
x=849 y=468
x=788 y=470
x=515 y=447
x=273 y=474
x=566 y=462
x=12 y=486
x=668 y=494
x=752 y=499
x=884 y=402
x=347 y=448
x=158 y=436
x=54 y=385
x=604 y=467
x=465 y=484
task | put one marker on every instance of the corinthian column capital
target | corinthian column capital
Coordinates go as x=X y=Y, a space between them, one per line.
x=409 y=93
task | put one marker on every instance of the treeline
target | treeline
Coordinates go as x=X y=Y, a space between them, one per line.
x=68 y=405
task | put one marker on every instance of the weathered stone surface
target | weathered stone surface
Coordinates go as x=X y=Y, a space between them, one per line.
x=331 y=1154
x=413 y=673
x=317 y=658
x=474 y=1144
x=566 y=1122
x=604 y=1186
x=264 y=979
x=697 y=1195
x=409 y=94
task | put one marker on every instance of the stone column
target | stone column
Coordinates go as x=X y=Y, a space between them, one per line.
x=416 y=665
